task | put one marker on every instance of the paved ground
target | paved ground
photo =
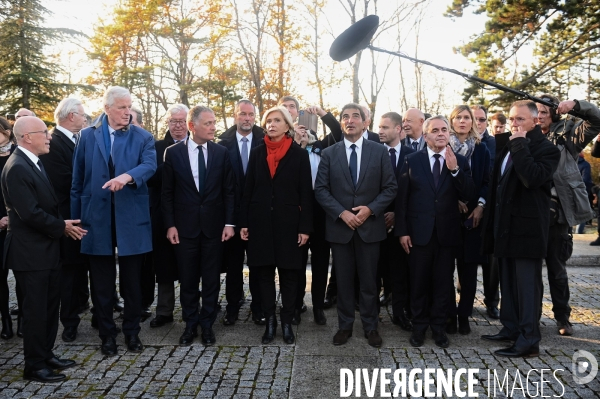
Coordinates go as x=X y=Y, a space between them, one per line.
x=241 y=367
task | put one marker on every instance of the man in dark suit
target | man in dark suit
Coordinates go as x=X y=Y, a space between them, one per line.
x=70 y=117
x=198 y=206
x=393 y=262
x=431 y=183
x=239 y=140
x=355 y=183
x=163 y=256
x=412 y=124
x=32 y=246
x=367 y=134
x=516 y=227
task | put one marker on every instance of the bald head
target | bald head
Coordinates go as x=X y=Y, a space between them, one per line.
x=32 y=134
x=412 y=123
x=23 y=112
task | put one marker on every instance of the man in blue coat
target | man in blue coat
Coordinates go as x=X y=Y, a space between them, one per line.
x=113 y=162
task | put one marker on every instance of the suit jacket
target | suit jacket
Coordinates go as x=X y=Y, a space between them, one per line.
x=183 y=206
x=335 y=191
x=275 y=210
x=59 y=167
x=239 y=178
x=404 y=151
x=373 y=136
x=490 y=142
x=517 y=216
x=421 y=146
x=420 y=207
x=133 y=153
x=34 y=222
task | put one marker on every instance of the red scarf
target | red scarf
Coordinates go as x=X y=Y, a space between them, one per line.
x=276 y=151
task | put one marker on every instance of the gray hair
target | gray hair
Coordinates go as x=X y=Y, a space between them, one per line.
x=139 y=115
x=287 y=117
x=176 y=108
x=429 y=120
x=242 y=101
x=367 y=112
x=65 y=107
x=114 y=92
x=194 y=113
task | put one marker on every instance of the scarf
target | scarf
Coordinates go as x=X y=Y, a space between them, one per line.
x=465 y=149
x=276 y=151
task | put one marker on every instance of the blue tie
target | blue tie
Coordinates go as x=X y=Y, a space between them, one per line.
x=353 y=165
x=244 y=153
x=201 y=170
x=415 y=145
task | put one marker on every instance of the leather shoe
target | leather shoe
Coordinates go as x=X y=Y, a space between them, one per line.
x=516 y=352
x=146 y=314
x=133 y=343
x=297 y=317
x=385 y=299
x=229 y=319
x=341 y=337
x=498 y=338
x=109 y=346
x=188 y=336
x=270 y=330
x=403 y=322
x=60 y=364
x=374 y=338
x=208 y=336
x=565 y=328
x=259 y=320
x=463 y=325
x=304 y=308
x=417 y=338
x=330 y=300
x=451 y=325
x=7 y=330
x=441 y=339
x=20 y=327
x=493 y=312
x=69 y=334
x=160 y=321
x=320 y=318
x=288 y=333
x=44 y=375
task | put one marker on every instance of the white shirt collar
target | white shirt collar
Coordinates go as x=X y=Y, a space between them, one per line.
x=358 y=143
x=66 y=132
x=192 y=145
x=34 y=158
x=365 y=134
x=430 y=152
x=239 y=137
x=397 y=147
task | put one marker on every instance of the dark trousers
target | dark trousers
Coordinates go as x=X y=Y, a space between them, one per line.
x=70 y=276
x=4 y=294
x=41 y=300
x=103 y=274
x=392 y=251
x=82 y=285
x=147 y=280
x=165 y=304
x=387 y=259
x=491 y=282
x=431 y=267
x=200 y=256
x=521 y=285
x=354 y=257
x=467 y=275
x=332 y=288
x=557 y=273
x=233 y=259
x=288 y=288
x=319 y=264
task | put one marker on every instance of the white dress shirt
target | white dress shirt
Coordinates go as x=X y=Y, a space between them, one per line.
x=504 y=162
x=442 y=159
x=193 y=154
x=66 y=132
x=397 y=148
x=31 y=156
x=358 y=149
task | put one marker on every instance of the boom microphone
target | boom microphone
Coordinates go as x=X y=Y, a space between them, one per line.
x=357 y=37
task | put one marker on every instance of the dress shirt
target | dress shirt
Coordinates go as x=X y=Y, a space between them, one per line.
x=193 y=154
x=67 y=133
x=239 y=141
x=442 y=160
x=314 y=159
x=359 y=145
x=504 y=162
x=418 y=141
x=397 y=148
x=31 y=156
x=365 y=134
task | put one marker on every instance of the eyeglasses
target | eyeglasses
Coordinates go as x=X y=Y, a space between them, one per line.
x=481 y=120
x=40 y=131
x=177 y=121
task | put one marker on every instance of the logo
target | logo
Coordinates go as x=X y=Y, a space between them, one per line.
x=584 y=371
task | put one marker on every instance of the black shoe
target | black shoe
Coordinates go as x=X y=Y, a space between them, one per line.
x=565 y=328
x=341 y=337
x=133 y=343
x=14 y=312
x=515 y=352
x=146 y=314
x=493 y=312
x=463 y=325
x=451 y=325
x=160 y=321
x=109 y=346
x=320 y=318
x=208 y=336
x=118 y=306
x=596 y=242
x=270 y=330
x=441 y=339
x=297 y=317
x=374 y=338
x=304 y=308
x=403 y=322
x=417 y=338
x=229 y=319
x=83 y=308
x=60 y=364
x=498 y=338
x=288 y=333
x=69 y=334
x=20 y=327
x=188 y=336
x=7 y=330
x=385 y=299
x=44 y=375
x=330 y=300
x=258 y=320
x=94 y=323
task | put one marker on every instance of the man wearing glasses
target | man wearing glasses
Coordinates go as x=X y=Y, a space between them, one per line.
x=32 y=248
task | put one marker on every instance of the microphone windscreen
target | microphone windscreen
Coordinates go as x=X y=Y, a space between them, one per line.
x=355 y=38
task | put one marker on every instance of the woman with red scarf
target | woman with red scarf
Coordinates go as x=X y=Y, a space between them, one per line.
x=276 y=217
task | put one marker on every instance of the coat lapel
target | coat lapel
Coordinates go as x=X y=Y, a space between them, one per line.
x=38 y=173
x=423 y=156
x=365 y=158
x=211 y=152
x=341 y=160
x=58 y=135
x=182 y=152
x=235 y=157
x=100 y=142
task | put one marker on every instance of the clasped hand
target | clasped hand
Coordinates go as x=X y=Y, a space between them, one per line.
x=74 y=231
x=355 y=220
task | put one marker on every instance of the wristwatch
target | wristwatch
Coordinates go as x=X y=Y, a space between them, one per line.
x=455 y=170
x=481 y=204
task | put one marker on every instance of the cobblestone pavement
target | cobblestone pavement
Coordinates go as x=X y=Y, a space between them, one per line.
x=240 y=367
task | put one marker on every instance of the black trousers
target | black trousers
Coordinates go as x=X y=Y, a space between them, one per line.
x=522 y=287
x=491 y=282
x=200 y=256
x=431 y=269
x=557 y=273
x=41 y=300
x=70 y=276
x=319 y=264
x=147 y=280
x=392 y=252
x=288 y=288
x=388 y=256
x=233 y=259
x=103 y=274
x=349 y=259
x=467 y=275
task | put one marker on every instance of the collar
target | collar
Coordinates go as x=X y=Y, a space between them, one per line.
x=66 y=132
x=34 y=158
x=239 y=137
x=430 y=153
x=366 y=134
x=192 y=145
x=358 y=143
x=397 y=148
